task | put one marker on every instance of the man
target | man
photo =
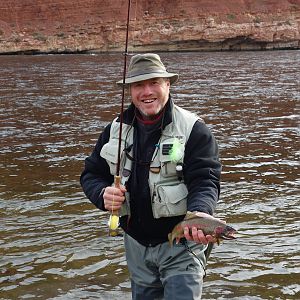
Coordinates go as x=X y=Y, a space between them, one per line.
x=169 y=165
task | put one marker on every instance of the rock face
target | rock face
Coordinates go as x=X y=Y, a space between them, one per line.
x=34 y=26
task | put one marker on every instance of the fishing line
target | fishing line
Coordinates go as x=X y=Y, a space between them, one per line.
x=113 y=202
x=187 y=247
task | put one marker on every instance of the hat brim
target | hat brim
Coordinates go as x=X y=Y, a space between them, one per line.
x=172 y=76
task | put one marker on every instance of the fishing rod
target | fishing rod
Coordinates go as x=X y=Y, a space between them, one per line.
x=114 y=217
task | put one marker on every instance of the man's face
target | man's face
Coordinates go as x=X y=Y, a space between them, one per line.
x=150 y=96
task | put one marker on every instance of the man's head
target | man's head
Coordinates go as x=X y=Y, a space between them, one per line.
x=149 y=83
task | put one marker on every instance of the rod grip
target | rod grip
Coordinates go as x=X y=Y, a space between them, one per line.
x=117 y=181
x=113 y=222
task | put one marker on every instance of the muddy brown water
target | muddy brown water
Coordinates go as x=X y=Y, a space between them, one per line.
x=54 y=243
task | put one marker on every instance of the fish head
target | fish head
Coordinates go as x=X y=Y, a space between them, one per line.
x=225 y=232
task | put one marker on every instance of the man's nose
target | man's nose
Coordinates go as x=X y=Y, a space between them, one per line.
x=147 y=89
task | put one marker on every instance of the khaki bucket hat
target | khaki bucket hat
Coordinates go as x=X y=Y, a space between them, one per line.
x=147 y=66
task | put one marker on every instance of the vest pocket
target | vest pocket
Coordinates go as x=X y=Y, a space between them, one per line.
x=168 y=169
x=169 y=200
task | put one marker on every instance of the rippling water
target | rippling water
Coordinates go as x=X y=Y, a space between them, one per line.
x=54 y=244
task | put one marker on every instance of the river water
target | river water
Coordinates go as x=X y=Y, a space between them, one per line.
x=54 y=243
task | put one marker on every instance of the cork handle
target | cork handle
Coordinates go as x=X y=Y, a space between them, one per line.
x=113 y=222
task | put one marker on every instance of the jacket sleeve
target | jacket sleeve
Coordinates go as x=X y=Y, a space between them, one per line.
x=202 y=170
x=96 y=174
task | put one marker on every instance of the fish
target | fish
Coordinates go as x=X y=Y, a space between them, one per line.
x=207 y=223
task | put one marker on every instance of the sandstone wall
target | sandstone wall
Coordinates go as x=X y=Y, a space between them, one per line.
x=100 y=25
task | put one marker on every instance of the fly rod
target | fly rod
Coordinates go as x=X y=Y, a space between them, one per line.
x=114 y=217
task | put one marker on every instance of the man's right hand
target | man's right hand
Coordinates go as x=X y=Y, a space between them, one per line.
x=114 y=197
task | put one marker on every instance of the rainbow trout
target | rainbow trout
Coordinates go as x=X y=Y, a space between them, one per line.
x=208 y=224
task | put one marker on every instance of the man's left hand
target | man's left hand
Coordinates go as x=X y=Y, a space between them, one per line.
x=198 y=236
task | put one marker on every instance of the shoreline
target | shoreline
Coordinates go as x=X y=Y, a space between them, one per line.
x=194 y=46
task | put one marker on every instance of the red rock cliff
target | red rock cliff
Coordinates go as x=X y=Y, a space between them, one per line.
x=100 y=25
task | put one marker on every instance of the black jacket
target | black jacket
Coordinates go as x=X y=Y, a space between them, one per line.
x=201 y=174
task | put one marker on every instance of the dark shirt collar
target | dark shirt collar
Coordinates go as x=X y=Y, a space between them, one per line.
x=153 y=121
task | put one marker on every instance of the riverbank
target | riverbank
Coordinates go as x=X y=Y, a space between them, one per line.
x=234 y=43
x=194 y=46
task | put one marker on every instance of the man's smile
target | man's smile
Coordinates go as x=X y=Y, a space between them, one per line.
x=148 y=100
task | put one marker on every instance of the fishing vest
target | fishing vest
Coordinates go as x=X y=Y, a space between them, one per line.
x=168 y=191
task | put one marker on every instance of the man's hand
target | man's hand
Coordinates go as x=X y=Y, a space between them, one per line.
x=198 y=236
x=114 y=197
